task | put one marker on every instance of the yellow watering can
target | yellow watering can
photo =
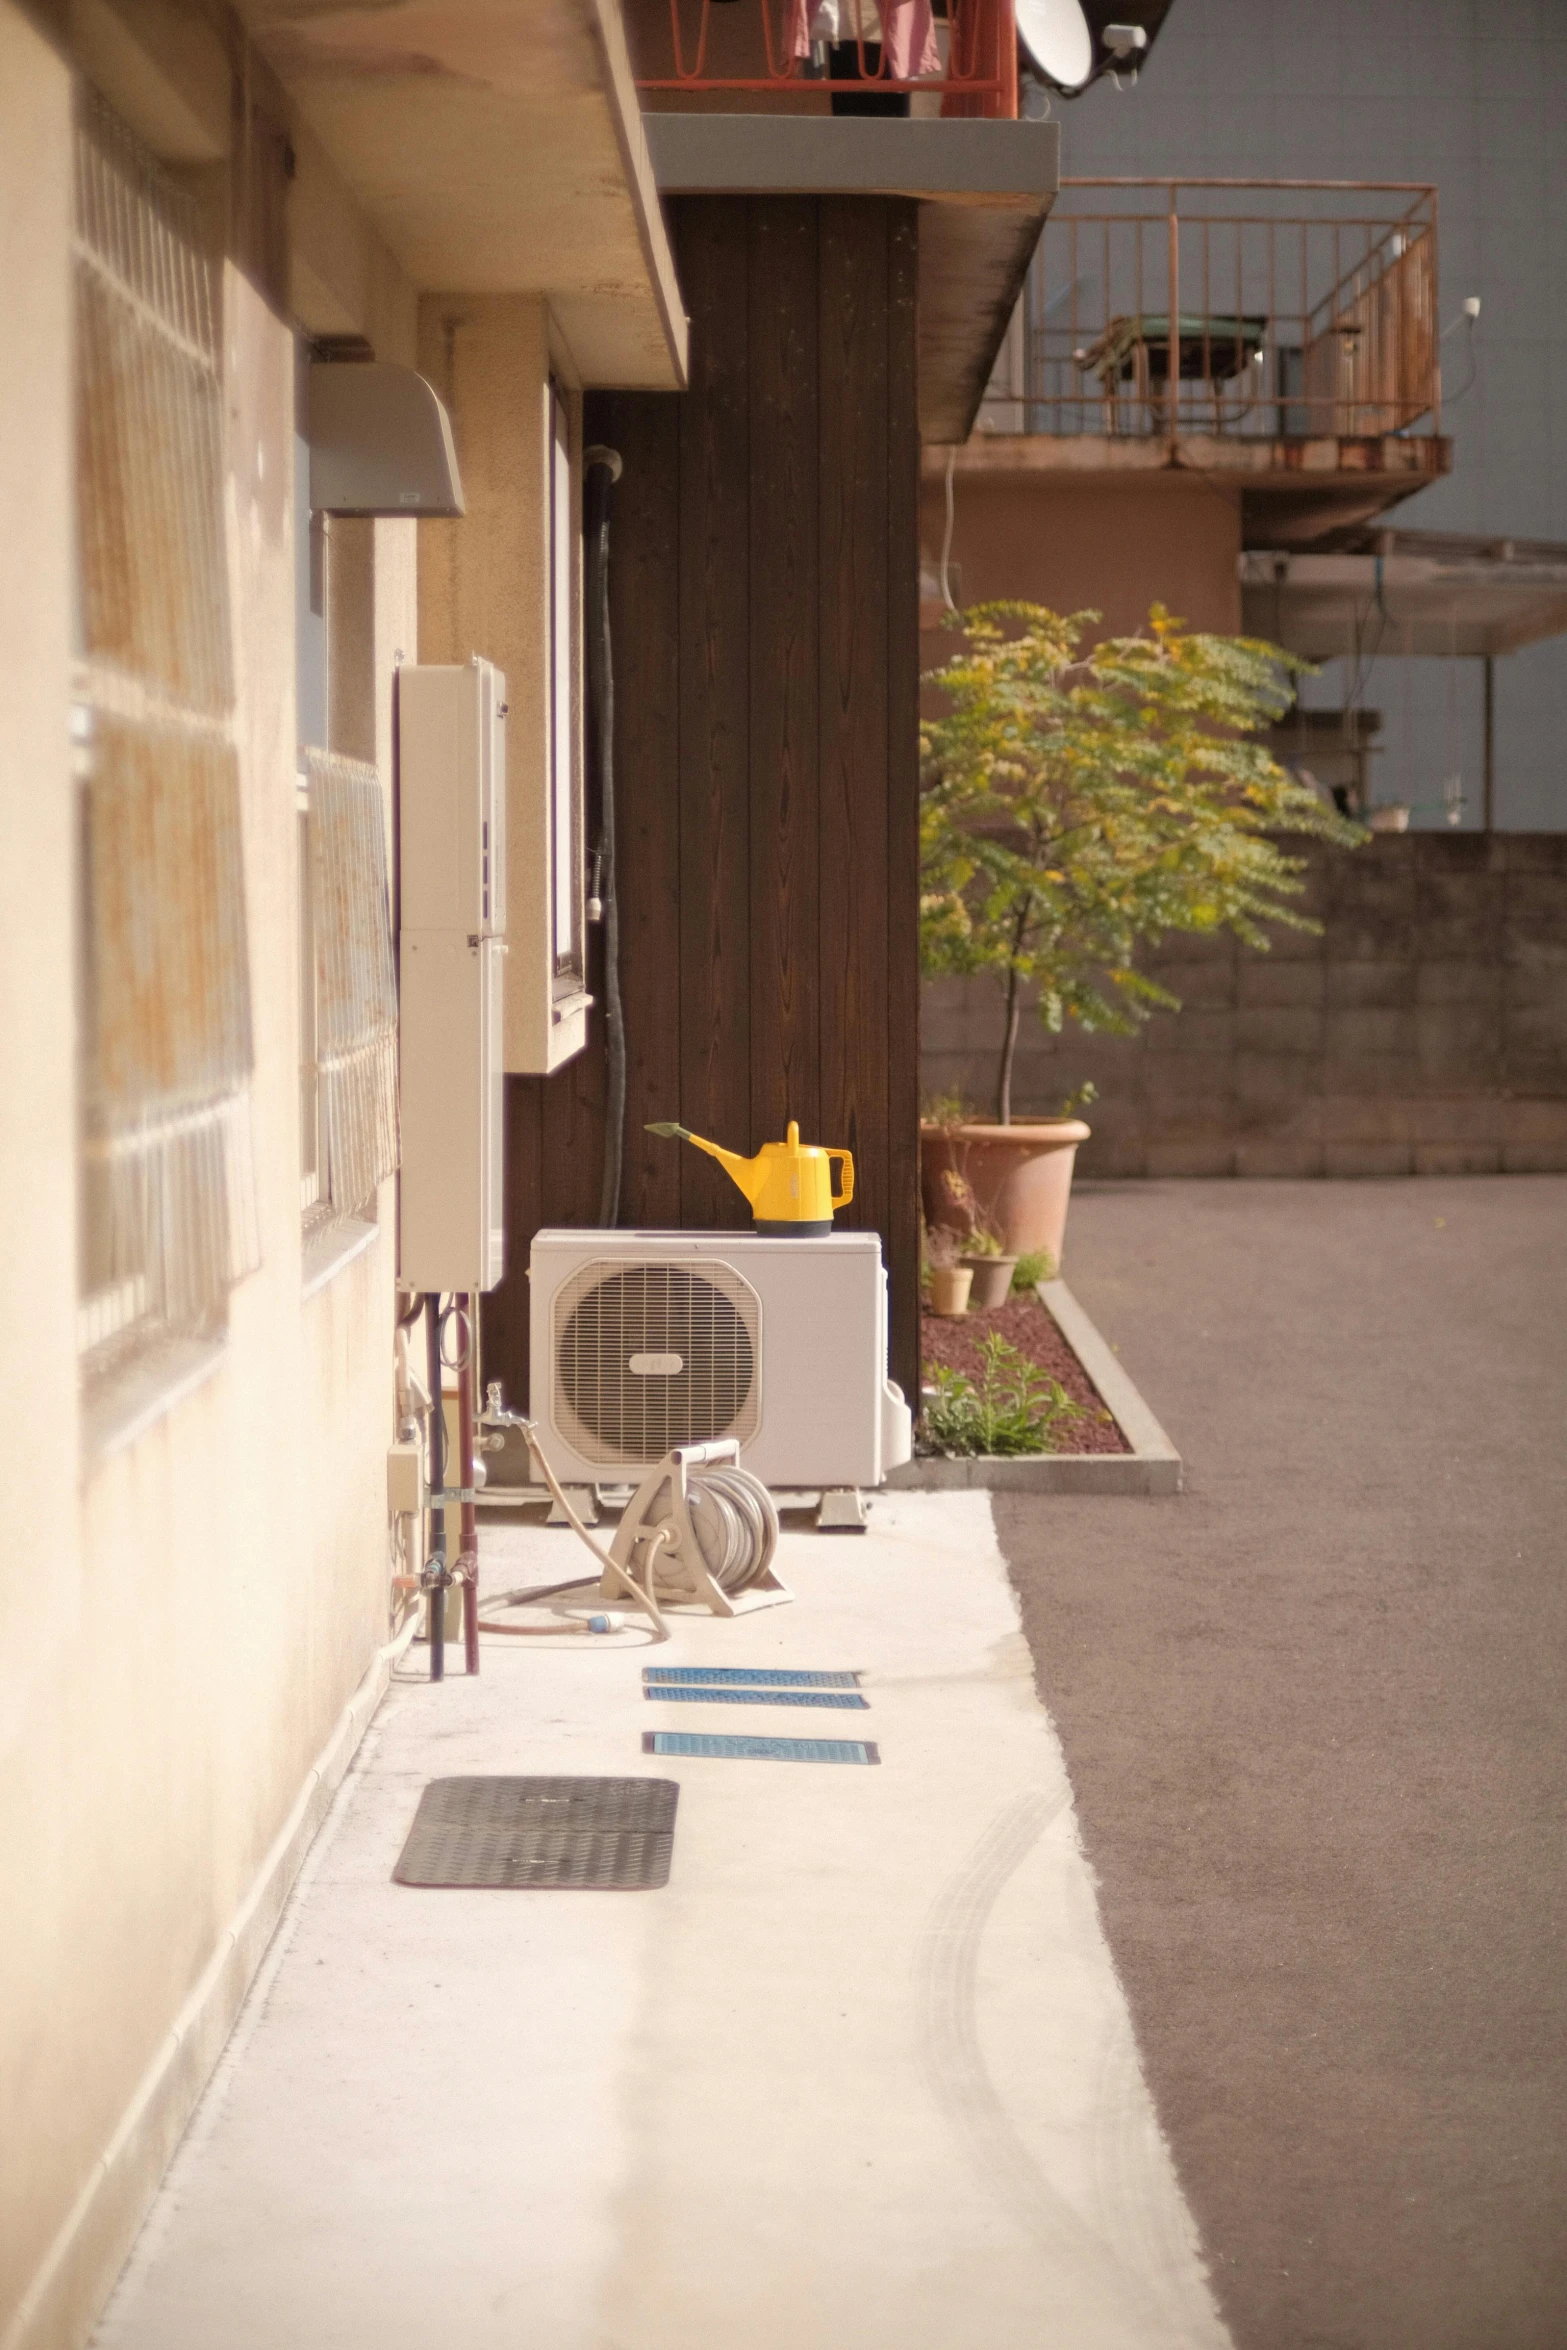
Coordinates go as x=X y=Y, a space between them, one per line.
x=788 y=1183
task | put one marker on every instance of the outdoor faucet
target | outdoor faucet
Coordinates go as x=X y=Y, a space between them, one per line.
x=497 y=1415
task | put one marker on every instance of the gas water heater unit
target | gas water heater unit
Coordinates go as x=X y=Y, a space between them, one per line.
x=644 y=1340
x=452 y=873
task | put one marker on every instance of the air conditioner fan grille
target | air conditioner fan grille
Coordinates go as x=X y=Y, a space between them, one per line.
x=610 y=1317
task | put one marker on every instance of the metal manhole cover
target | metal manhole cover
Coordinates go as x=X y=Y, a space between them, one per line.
x=610 y=1835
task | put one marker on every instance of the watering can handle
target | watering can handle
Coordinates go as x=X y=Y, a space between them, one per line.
x=841 y=1199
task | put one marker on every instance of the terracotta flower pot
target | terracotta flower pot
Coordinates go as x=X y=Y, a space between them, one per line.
x=1020 y=1176
x=992 y=1279
x=949 y=1288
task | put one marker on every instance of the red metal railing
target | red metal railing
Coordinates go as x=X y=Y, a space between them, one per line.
x=1246 y=315
x=756 y=46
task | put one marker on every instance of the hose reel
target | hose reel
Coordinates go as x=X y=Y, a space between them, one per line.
x=700 y=1531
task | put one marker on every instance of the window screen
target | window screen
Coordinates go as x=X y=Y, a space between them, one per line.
x=168 y=1213
x=354 y=993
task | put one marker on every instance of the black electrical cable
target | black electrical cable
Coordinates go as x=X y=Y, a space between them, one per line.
x=601 y=471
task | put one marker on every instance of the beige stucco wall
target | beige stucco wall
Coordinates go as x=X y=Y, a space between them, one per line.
x=203 y=1613
x=195 y=1611
x=38 y=1427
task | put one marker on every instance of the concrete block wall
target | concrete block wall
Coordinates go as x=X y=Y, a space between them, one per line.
x=1423 y=1031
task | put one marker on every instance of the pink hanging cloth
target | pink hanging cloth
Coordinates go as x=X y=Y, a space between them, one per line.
x=904 y=28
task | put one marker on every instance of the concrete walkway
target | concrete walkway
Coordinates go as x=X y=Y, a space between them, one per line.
x=861 y=2075
x=1315 y=1715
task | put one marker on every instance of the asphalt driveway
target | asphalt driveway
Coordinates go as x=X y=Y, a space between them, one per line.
x=1315 y=1715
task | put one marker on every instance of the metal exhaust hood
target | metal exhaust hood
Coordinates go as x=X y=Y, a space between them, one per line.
x=380 y=442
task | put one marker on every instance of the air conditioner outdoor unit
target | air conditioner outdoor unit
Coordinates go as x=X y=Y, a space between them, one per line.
x=644 y=1340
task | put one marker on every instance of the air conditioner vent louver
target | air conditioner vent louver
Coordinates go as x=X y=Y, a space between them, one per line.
x=650 y=1355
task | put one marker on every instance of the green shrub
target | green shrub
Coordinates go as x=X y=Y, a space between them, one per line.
x=1014 y=1407
x=1034 y=1266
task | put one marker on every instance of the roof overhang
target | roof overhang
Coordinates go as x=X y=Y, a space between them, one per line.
x=983 y=188
x=497 y=146
x=1449 y=596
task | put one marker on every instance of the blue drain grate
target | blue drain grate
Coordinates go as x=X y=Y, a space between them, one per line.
x=750 y=1676
x=821 y=1750
x=702 y=1693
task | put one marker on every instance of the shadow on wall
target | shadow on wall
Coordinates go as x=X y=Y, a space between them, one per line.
x=1423 y=1032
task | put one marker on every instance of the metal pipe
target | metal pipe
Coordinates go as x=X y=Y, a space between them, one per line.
x=1489 y=816
x=470 y=1516
x=436 y=1575
x=1172 y=388
x=1344 y=187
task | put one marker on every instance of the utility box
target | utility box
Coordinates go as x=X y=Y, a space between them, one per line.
x=451 y=783
x=451 y=851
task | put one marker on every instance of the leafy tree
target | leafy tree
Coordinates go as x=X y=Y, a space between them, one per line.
x=1074 y=804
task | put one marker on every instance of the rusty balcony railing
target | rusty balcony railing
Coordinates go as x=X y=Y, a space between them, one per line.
x=1283 y=310
x=811 y=52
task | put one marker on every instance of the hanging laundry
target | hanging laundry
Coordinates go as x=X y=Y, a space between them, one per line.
x=903 y=31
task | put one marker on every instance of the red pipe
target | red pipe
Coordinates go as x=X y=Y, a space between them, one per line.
x=470 y=1514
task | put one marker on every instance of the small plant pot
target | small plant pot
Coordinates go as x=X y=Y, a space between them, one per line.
x=992 y=1279
x=949 y=1288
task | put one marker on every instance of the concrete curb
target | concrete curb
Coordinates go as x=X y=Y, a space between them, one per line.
x=1152 y=1466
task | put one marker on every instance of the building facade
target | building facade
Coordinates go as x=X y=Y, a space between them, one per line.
x=311 y=319
x=196 y=840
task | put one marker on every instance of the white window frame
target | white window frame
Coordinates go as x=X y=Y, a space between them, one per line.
x=310 y=1203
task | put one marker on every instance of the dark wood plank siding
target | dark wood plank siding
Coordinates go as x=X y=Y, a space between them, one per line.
x=785 y=347
x=644 y=527
x=764 y=600
x=902 y=1228
x=853 y=702
x=707 y=569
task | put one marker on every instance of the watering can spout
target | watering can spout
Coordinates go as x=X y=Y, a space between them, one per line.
x=788 y=1183
x=746 y=1172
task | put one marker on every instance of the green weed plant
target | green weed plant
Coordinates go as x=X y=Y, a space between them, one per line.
x=1013 y=1407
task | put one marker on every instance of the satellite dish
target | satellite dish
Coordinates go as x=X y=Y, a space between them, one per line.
x=1059 y=44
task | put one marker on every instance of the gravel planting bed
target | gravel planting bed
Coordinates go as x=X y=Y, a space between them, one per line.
x=1025 y=1324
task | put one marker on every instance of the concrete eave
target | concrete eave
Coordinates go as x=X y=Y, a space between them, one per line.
x=1323 y=606
x=1250 y=464
x=983 y=188
x=1290 y=492
x=497 y=149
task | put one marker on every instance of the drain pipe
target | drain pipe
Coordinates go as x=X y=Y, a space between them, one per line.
x=601 y=470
